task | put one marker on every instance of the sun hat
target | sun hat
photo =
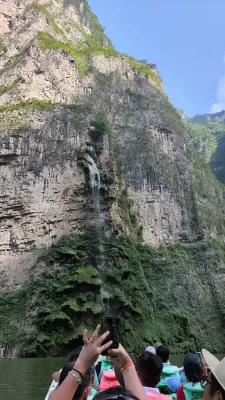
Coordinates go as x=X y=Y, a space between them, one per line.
x=217 y=367
x=150 y=349
x=173 y=383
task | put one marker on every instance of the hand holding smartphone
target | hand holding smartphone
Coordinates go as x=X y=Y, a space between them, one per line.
x=199 y=354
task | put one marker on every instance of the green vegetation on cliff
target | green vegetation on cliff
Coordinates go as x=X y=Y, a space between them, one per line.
x=81 y=53
x=88 y=18
x=41 y=104
x=172 y=293
x=209 y=141
x=50 y=18
x=205 y=137
x=164 y=293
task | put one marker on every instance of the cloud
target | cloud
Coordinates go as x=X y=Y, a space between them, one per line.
x=220 y=104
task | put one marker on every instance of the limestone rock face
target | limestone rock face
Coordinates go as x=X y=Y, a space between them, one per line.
x=204 y=118
x=57 y=71
x=88 y=137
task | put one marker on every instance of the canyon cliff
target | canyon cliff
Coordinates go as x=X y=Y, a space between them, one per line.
x=76 y=115
x=207 y=133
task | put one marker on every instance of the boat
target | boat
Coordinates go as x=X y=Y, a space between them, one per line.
x=52 y=387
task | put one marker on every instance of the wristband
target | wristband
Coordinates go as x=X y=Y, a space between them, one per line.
x=128 y=365
x=76 y=377
x=81 y=375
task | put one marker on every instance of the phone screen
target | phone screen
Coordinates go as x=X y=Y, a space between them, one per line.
x=199 y=355
x=112 y=324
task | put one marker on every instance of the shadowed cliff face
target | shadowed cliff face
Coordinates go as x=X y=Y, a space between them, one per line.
x=63 y=89
x=207 y=133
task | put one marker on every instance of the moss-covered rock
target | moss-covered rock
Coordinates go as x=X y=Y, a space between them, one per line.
x=77 y=91
x=166 y=294
x=208 y=139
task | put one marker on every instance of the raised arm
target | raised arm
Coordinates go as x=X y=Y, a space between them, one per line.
x=121 y=359
x=88 y=356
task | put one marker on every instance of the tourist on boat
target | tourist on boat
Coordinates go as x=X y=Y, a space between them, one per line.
x=151 y=349
x=108 y=380
x=150 y=370
x=214 y=385
x=84 y=387
x=173 y=383
x=119 y=376
x=89 y=354
x=193 y=373
x=157 y=344
x=72 y=357
x=118 y=392
x=105 y=365
x=163 y=353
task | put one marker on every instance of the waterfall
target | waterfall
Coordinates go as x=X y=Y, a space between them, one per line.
x=93 y=172
x=95 y=183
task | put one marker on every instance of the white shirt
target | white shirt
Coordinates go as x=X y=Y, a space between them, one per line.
x=151 y=391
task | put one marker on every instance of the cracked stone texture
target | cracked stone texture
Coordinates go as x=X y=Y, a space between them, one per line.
x=39 y=169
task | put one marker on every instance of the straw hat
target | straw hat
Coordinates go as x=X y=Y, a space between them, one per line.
x=217 y=367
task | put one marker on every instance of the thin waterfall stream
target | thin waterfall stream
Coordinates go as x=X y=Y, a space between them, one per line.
x=95 y=183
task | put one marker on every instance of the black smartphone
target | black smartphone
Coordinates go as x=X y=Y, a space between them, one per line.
x=199 y=355
x=112 y=324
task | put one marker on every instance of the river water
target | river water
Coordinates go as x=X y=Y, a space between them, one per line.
x=29 y=379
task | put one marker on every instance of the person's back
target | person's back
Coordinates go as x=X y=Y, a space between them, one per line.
x=193 y=373
x=56 y=375
x=84 y=388
x=108 y=380
x=150 y=369
x=163 y=353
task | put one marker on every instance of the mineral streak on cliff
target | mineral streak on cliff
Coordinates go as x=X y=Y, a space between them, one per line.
x=64 y=88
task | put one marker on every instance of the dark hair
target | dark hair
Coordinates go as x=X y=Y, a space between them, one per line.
x=215 y=385
x=189 y=352
x=118 y=391
x=74 y=354
x=84 y=384
x=150 y=369
x=163 y=352
x=119 y=376
x=193 y=372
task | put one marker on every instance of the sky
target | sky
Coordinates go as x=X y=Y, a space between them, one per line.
x=184 y=38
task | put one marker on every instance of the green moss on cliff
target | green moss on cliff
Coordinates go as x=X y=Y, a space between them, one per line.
x=167 y=293
x=14 y=60
x=50 y=18
x=8 y=88
x=204 y=137
x=3 y=48
x=209 y=141
x=80 y=53
x=146 y=69
x=207 y=195
x=46 y=42
x=42 y=104
x=90 y=19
